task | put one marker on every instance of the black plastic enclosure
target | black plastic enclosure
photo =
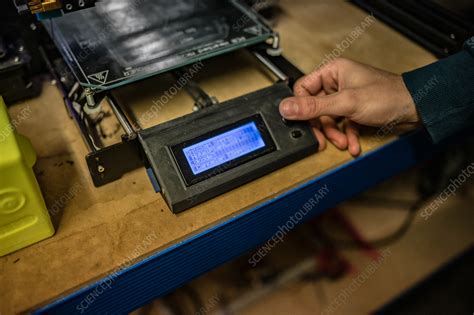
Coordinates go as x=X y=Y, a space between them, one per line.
x=285 y=143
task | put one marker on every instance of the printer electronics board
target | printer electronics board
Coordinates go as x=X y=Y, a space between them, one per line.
x=121 y=41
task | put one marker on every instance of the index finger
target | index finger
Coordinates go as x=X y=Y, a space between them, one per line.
x=321 y=79
x=309 y=84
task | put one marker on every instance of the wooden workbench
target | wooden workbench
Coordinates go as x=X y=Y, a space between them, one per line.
x=98 y=229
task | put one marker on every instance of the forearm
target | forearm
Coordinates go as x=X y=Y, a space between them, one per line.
x=444 y=93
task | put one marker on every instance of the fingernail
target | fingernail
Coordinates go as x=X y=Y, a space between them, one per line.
x=289 y=109
x=355 y=150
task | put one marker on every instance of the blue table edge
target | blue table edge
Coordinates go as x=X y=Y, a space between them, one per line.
x=174 y=266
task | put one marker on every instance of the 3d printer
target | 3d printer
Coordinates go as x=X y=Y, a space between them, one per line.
x=219 y=146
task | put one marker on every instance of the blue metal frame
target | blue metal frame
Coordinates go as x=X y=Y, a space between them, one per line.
x=173 y=267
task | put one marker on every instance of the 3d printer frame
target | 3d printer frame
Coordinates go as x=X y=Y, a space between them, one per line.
x=109 y=163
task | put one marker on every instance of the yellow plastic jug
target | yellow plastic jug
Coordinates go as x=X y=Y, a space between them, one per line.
x=24 y=219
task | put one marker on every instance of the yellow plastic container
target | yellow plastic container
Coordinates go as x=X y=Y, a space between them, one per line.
x=24 y=219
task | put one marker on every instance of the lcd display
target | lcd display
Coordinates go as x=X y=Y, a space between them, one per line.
x=223 y=148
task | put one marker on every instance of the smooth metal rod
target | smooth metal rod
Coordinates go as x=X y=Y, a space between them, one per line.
x=122 y=118
x=274 y=69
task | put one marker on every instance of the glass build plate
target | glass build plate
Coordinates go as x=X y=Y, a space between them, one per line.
x=121 y=41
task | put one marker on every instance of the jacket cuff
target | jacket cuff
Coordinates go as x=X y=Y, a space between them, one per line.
x=439 y=91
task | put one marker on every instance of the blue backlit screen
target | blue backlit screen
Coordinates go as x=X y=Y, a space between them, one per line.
x=223 y=148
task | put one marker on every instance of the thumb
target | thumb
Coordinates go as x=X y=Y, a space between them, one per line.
x=309 y=107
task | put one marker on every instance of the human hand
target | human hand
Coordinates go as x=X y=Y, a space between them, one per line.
x=355 y=92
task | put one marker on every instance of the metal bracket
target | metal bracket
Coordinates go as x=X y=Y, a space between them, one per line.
x=111 y=163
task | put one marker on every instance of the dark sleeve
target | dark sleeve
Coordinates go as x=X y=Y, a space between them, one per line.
x=444 y=93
